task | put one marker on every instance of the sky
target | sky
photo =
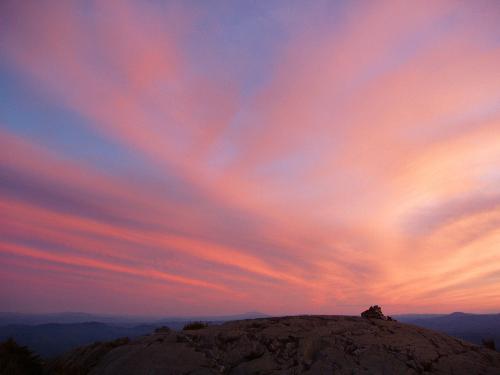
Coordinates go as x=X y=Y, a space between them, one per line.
x=218 y=157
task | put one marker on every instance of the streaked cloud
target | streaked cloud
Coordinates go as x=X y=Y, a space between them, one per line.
x=353 y=159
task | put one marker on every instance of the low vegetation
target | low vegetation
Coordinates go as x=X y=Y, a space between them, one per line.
x=489 y=343
x=16 y=359
x=82 y=360
x=194 y=325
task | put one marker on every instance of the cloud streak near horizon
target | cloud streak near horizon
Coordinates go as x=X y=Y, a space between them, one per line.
x=196 y=158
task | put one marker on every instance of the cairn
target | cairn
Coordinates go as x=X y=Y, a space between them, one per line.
x=375 y=312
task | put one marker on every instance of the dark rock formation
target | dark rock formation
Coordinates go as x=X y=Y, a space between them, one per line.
x=288 y=345
x=375 y=312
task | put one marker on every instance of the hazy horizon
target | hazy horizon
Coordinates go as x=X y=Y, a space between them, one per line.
x=193 y=158
x=166 y=316
x=215 y=314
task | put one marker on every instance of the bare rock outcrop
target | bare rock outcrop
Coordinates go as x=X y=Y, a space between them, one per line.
x=375 y=312
x=290 y=345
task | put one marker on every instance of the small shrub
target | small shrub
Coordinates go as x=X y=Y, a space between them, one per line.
x=162 y=329
x=194 y=325
x=16 y=359
x=489 y=343
x=82 y=360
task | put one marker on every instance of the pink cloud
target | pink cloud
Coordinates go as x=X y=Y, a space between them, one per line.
x=366 y=133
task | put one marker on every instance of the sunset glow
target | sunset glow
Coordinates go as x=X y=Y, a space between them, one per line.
x=219 y=157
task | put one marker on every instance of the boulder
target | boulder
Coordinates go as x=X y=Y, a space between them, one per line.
x=375 y=312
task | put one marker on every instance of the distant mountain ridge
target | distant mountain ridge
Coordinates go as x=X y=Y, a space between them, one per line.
x=469 y=327
x=81 y=317
x=72 y=330
x=51 y=339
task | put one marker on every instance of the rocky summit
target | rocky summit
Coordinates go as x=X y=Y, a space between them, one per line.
x=286 y=345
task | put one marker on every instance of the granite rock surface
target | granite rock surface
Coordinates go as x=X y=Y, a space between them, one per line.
x=286 y=345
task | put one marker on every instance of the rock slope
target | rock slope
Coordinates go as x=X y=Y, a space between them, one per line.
x=287 y=345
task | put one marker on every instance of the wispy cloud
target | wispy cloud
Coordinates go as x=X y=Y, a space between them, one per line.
x=354 y=161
